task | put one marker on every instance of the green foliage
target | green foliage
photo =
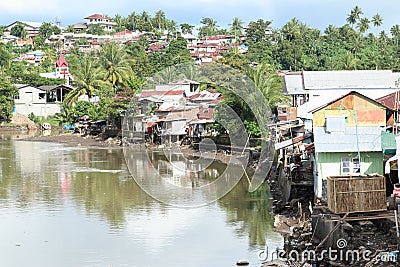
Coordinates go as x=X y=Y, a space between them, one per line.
x=96 y=29
x=47 y=29
x=18 y=30
x=115 y=66
x=5 y=56
x=33 y=118
x=7 y=91
x=252 y=128
x=209 y=27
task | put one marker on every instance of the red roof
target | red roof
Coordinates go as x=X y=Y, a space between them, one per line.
x=123 y=33
x=98 y=16
x=146 y=93
x=61 y=62
x=390 y=100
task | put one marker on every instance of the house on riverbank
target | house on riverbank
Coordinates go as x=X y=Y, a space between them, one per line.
x=348 y=138
x=42 y=101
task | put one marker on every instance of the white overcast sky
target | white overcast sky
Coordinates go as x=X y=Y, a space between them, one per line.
x=315 y=13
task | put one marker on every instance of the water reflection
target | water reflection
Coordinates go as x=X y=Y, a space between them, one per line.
x=47 y=180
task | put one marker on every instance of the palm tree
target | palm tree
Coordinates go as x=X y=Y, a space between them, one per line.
x=121 y=23
x=209 y=27
x=186 y=28
x=269 y=83
x=160 y=20
x=236 y=26
x=395 y=31
x=291 y=29
x=132 y=21
x=363 y=25
x=377 y=21
x=383 y=36
x=115 y=64
x=354 y=15
x=350 y=62
x=87 y=80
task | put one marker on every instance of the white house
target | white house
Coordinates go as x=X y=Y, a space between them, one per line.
x=42 y=102
x=102 y=20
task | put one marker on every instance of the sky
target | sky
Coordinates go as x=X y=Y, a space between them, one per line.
x=315 y=13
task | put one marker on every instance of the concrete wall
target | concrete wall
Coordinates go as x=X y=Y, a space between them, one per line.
x=39 y=109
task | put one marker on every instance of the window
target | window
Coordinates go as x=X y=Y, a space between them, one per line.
x=16 y=97
x=350 y=165
x=335 y=123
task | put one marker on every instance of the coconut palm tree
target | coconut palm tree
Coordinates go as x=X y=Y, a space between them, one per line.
x=160 y=20
x=377 y=21
x=291 y=29
x=354 y=15
x=172 y=28
x=87 y=80
x=383 y=36
x=395 y=31
x=186 y=28
x=269 y=83
x=115 y=64
x=236 y=26
x=350 y=62
x=363 y=25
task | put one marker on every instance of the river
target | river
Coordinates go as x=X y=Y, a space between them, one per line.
x=80 y=206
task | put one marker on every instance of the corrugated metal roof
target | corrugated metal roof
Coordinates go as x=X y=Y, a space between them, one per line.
x=369 y=139
x=350 y=79
x=390 y=100
x=343 y=96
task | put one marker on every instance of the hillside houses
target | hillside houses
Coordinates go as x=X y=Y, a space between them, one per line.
x=203 y=50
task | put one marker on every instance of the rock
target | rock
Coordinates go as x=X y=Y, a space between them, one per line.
x=242 y=263
x=275 y=263
x=348 y=227
x=366 y=223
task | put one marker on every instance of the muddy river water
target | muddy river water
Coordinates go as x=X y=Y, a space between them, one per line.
x=80 y=206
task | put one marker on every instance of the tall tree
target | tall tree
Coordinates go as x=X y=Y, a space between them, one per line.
x=269 y=83
x=7 y=91
x=87 y=80
x=377 y=21
x=395 y=31
x=19 y=30
x=47 y=29
x=363 y=25
x=236 y=26
x=96 y=29
x=186 y=28
x=115 y=63
x=121 y=23
x=209 y=27
x=160 y=20
x=354 y=15
x=291 y=29
x=172 y=28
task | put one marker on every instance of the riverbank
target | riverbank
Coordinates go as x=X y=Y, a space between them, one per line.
x=73 y=139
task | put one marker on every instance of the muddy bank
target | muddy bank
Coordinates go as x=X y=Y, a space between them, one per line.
x=72 y=139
